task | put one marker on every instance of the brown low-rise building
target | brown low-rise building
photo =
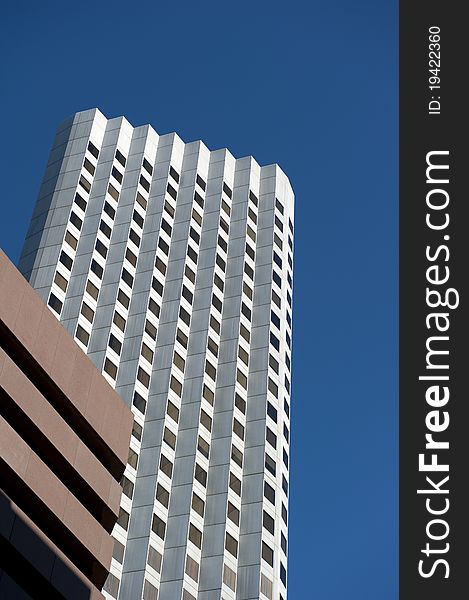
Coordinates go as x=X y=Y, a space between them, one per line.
x=64 y=440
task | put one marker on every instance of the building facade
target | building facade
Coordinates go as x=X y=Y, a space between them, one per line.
x=171 y=265
x=64 y=437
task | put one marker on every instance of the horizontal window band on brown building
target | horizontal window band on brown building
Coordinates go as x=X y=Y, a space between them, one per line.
x=50 y=390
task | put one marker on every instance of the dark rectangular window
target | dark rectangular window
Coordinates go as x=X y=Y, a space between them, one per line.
x=268 y=522
x=198 y=198
x=141 y=200
x=127 y=487
x=184 y=316
x=195 y=536
x=217 y=303
x=163 y=245
x=75 y=220
x=66 y=260
x=80 y=201
x=171 y=191
x=189 y=273
x=121 y=158
x=253 y=198
x=275 y=342
x=194 y=235
x=237 y=456
x=271 y=438
x=240 y=403
x=139 y=402
x=224 y=225
x=231 y=545
x=192 y=254
x=71 y=240
x=117 y=174
x=227 y=190
x=221 y=263
x=109 y=210
x=93 y=150
x=61 y=281
x=187 y=294
x=174 y=174
x=97 y=269
x=134 y=237
x=110 y=368
x=279 y=206
x=101 y=248
x=115 y=344
x=168 y=208
x=154 y=559
x=123 y=519
x=89 y=166
x=197 y=218
x=85 y=184
x=162 y=495
x=235 y=484
x=200 y=474
x=201 y=182
x=267 y=554
x=181 y=338
x=82 y=335
x=277 y=279
x=150 y=329
x=123 y=299
x=270 y=465
x=147 y=166
x=198 y=504
x=246 y=311
x=144 y=183
x=158 y=526
x=272 y=411
x=130 y=256
x=166 y=466
x=137 y=217
x=127 y=277
x=111 y=190
x=269 y=492
x=146 y=353
x=154 y=307
x=278 y=242
x=249 y=271
x=165 y=226
x=104 y=227
x=137 y=431
x=226 y=207
x=159 y=264
x=119 y=321
x=275 y=319
x=223 y=245
x=157 y=286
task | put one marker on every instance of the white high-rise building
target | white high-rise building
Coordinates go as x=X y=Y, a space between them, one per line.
x=171 y=265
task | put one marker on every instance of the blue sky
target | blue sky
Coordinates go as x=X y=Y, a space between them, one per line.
x=311 y=85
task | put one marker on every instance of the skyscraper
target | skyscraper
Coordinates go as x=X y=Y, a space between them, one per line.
x=171 y=265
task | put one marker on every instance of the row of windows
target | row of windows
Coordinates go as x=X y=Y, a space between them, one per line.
x=76 y=221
